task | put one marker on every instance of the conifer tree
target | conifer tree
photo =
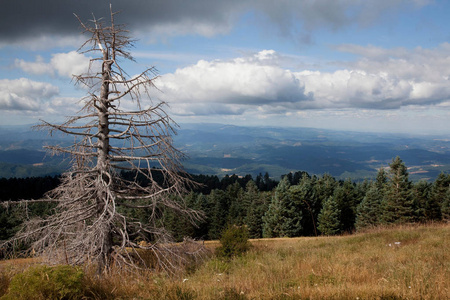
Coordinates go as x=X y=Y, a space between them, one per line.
x=397 y=204
x=445 y=207
x=347 y=202
x=303 y=195
x=256 y=209
x=422 y=200
x=369 y=210
x=274 y=218
x=329 y=222
x=438 y=196
x=218 y=215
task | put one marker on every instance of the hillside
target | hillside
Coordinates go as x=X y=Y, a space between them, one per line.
x=217 y=149
x=408 y=262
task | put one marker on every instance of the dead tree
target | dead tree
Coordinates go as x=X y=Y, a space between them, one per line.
x=88 y=226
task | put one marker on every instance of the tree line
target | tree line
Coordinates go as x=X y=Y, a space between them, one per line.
x=298 y=205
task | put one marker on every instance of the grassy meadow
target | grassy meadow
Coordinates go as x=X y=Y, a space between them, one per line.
x=407 y=262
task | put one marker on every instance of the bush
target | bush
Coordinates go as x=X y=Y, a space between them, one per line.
x=43 y=282
x=234 y=241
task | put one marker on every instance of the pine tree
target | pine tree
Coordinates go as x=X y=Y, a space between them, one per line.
x=369 y=210
x=347 y=202
x=422 y=200
x=397 y=204
x=256 y=209
x=438 y=196
x=275 y=217
x=302 y=195
x=445 y=207
x=219 y=203
x=329 y=217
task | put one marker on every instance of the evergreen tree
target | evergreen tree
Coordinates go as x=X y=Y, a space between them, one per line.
x=422 y=201
x=329 y=217
x=346 y=199
x=237 y=207
x=445 y=208
x=369 y=210
x=381 y=179
x=256 y=209
x=275 y=217
x=397 y=204
x=302 y=195
x=219 y=204
x=438 y=196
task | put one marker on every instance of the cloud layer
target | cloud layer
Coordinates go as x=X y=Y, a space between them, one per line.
x=381 y=79
x=61 y=64
x=24 y=94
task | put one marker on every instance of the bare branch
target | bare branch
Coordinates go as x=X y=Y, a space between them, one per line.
x=88 y=225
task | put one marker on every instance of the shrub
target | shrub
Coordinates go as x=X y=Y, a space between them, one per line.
x=43 y=282
x=234 y=241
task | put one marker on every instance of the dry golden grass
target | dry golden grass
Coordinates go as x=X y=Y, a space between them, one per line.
x=409 y=262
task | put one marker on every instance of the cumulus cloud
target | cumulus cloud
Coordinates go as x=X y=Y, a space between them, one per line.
x=24 y=94
x=62 y=64
x=30 y=20
x=382 y=79
x=221 y=85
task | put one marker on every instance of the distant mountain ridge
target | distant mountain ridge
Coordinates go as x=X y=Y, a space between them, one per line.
x=218 y=149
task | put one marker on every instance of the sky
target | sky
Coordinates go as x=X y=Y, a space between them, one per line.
x=359 y=65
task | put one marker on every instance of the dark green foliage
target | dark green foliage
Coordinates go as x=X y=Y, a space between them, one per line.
x=346 y=198
x=329 y=217
x=256 y=209
x=271 y=209
x=303 y=195
x=218 y=213
x=397 y=204
x=10 y=220
x=424 y=207
x=13 y=189
x=234 y=242
x=43 y=282
x=238 y=207
x=275 y=224
x=438 y=196
x=445 y=207
x=369 y=210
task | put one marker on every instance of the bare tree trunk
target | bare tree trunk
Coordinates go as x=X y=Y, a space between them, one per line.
x=102 y=160
x=89 y=225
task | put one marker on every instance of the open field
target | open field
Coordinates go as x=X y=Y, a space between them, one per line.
x=409 y=262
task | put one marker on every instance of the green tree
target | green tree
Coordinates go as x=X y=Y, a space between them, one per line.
x=238 y=205
x=445 y=208
x=422 y=199
x=397 y=204
x=346 y=198
x=218 y=213
x=329 y=217
x=274 y=218
x=369 y=210
x=302 y=195
x=256 y=209
x=438 y=196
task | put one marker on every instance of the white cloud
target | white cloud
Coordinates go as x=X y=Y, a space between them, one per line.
x=24 y=94
x=380 y=79
x=250 y=81
x=62 y=64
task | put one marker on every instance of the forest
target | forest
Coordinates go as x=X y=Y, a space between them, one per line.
x=299 y=204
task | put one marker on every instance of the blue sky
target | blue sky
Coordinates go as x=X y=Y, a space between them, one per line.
x=381 y=65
